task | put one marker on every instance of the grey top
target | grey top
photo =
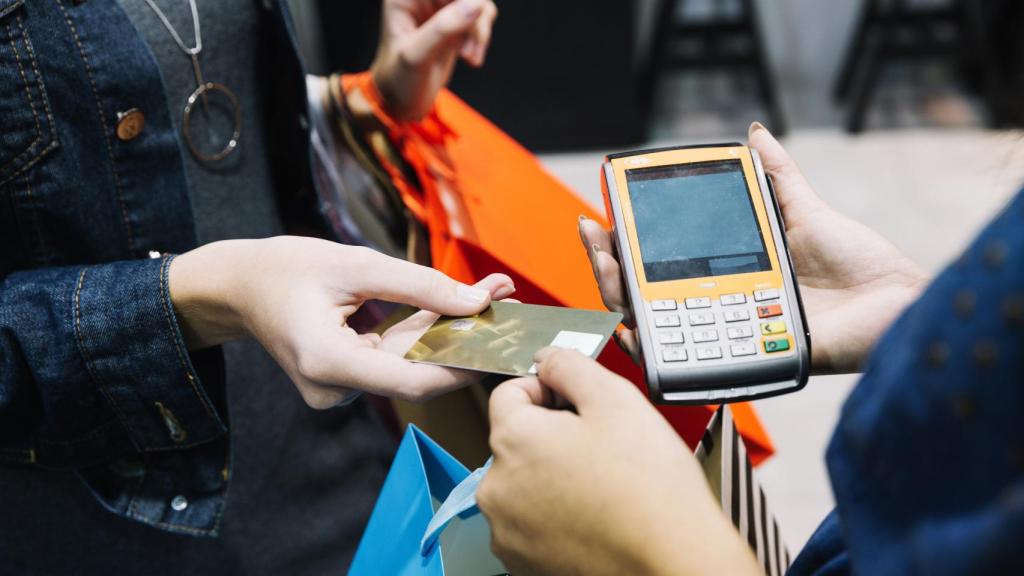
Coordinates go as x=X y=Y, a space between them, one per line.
x=233 y=198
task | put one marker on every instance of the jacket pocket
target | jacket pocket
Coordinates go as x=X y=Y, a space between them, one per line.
x=27 y=130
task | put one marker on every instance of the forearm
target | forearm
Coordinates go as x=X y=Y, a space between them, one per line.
x=718 y=550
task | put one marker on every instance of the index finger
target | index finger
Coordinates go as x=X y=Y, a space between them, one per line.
x=475 y=49
x=382 y=277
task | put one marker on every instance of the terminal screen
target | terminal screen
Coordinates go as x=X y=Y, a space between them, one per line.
x=696 y=220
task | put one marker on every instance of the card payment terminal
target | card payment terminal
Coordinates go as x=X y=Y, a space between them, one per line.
x=706 y=266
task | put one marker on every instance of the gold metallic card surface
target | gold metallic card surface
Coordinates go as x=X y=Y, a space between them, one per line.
x=504 y=338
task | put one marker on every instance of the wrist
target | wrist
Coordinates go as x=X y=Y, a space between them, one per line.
x=712 y=547
x=386 y=95
x=204 y=285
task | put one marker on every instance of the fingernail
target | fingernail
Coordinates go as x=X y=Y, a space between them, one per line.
x=504 y=292
x=471 y=294
x=469 y=49
x=582 y=219
x=754 y=127
x=595 y=248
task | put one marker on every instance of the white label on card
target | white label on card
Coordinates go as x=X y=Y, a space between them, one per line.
x=583 y=342
x=463 y=324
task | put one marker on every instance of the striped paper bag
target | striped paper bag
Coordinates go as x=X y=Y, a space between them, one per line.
x=723 y=456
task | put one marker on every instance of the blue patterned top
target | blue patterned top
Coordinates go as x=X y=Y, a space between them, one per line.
x=927 y=462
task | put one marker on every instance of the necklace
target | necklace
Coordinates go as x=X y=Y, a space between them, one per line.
x=203 y=90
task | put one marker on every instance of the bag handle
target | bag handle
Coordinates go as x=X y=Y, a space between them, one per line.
x=460 y=500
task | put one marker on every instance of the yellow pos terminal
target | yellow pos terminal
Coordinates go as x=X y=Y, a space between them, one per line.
x=706 y=266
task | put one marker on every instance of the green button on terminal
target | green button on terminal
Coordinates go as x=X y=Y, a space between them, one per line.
x=777 y=345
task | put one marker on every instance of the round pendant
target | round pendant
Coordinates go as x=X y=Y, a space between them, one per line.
x=220 y=113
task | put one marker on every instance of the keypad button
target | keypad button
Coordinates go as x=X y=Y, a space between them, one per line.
x=743 y=349
x=769 y=311
x=674 y=355
x=733 y=299
x=771 y=328
x=670 y=321
x=702 y=319
x=662 y=305
x=670 y=338
x=736 y=315
x=693 y=303
x=776 y=345
x=762 y=295
x=740 y=332
x=709 y=353
x=705 y=336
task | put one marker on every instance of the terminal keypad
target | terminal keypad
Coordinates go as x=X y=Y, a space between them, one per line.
x=704 y=330
x=671 y=338
x=735 y=315
x=667 y=321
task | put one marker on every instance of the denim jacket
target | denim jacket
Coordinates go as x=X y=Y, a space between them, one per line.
x=94 y=375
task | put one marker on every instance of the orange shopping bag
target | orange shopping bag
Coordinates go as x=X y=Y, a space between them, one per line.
x=490 y=206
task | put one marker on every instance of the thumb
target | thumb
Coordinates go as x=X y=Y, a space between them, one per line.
x=380 y=277
x=447 y=27
x=580 y=379
x=791 y=187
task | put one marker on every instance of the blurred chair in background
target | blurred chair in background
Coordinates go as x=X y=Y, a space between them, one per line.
x=730 y=38
x=960 y=32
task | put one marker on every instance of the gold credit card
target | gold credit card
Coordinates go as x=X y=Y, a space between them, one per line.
x=504 y=338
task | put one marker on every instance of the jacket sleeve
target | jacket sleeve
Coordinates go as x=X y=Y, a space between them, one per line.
x=93 y=367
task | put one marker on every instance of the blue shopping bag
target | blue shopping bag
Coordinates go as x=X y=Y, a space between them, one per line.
x=400 y=538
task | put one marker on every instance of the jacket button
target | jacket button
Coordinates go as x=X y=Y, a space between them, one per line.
x=179 y=503
x=130 y=124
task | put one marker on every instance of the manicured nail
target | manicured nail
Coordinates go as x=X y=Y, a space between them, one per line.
x=754 y=127
x=471 y=294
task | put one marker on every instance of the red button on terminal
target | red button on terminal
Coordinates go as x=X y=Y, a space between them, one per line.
x=769 y=311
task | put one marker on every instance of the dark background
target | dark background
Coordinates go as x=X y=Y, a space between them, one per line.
x=565 y=74
x=567 y=80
